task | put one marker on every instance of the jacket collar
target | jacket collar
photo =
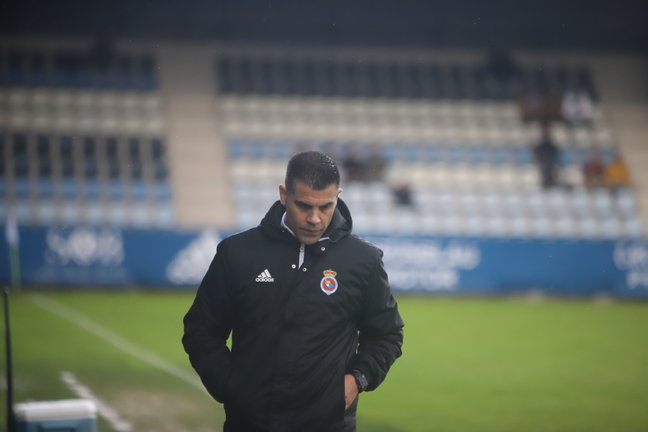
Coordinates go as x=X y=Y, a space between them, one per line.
x=340 y=226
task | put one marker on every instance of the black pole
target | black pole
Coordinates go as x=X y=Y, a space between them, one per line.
x=11 y=419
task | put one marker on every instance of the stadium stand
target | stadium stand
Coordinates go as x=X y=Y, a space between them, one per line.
x=449 y=129
x=89 y=134
x=82 y=138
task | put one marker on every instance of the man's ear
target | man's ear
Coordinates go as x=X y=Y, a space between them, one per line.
x=282 y=194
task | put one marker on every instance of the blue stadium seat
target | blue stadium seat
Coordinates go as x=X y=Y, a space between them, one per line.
x=46 y=188
x=117 y=214
x=115 y=189
x=138 y=190
x=161 y=170
x=92 y=189
x=163 y=215
x=146 y=73
x=70 y=188
x=236 y=148
x=22 y=209
x=162 y=191
x=124 y=75
x=140 y=215
x=22 y=188
x=47 y=212
x=95 y=214
x=17 y=68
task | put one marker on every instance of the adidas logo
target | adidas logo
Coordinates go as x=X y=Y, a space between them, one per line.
x=264 y=277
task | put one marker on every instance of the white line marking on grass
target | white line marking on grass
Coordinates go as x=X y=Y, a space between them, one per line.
x=114 y=339
x=104 y=410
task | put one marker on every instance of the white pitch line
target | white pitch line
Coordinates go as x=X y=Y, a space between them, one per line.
x=104 y=410
x=114 y=339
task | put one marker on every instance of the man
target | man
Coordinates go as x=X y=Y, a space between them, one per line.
x=312 y=318
x=547 y=155
x=594 y=170
x=617 y=174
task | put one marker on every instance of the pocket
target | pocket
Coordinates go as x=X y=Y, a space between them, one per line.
x=349 y=418
x=342 y=395
x=352 y=408
x=230 y=387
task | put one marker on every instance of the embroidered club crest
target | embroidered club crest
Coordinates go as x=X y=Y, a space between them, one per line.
x=329 y=284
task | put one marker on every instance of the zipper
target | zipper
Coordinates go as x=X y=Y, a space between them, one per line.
x=302 y=249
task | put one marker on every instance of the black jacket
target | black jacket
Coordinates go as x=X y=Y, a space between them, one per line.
x=295 y=330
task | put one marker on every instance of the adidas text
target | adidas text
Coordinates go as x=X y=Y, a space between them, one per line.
x=264 y=277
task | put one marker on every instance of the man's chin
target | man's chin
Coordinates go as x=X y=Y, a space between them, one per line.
x=309 y=239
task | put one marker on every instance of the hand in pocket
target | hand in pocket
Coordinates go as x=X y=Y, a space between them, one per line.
x=350 y=390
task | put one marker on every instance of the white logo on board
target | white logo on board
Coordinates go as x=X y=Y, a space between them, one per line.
x=190 y=264
x=84 y=247
x=632 y=257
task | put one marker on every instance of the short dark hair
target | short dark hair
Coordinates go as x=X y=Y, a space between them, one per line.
x=314 y=168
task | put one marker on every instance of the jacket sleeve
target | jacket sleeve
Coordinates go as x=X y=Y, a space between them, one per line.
x=207 y=325
x=380 y=329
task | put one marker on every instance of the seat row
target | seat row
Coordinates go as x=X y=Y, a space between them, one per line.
x=134 y=214
x=62 y=172
x=374 y=78
x=67 y=156
x=449 y=123
x=303 y=108
x=518 y=227
x=551 y=214
x=255 y=156
x=96 y=67
x=66 y=111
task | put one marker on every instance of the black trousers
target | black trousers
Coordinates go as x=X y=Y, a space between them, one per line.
x=348 y=424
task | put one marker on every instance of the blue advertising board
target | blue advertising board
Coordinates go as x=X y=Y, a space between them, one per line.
x=90 y=256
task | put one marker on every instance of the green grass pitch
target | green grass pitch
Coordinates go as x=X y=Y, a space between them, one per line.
x=468 y=364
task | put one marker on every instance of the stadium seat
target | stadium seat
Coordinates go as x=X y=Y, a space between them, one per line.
x=140 y=215
x=520 y=226
x=626 y=202
x=69 y=213
x=47 y=212
x=497 y=226
x=565 y=227
x=94 y=212
x=611 y=228
x=633 y=227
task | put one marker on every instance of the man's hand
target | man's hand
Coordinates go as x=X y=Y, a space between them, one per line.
x=350 y=390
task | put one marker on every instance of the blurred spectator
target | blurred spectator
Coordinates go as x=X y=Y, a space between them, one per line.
x=547 y=156
x=540 y=102
x=594 y=170
x=540 y=105
x=532 y=105
x=352 y=165
x=576 y=107
x=501 y=65
x=617 y=174
x=375 y=164
x=403 y=195
x=101 y=54
x=502 y=71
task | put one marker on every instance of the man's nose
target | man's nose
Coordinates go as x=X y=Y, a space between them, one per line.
x=314 y=218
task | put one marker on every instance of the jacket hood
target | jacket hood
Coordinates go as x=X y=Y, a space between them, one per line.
x=340 y=226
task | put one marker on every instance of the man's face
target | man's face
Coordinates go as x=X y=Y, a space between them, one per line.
x=309 y=211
